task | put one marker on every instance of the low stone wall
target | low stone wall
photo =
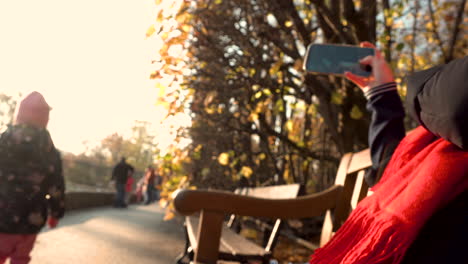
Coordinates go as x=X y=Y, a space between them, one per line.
x=82 y=200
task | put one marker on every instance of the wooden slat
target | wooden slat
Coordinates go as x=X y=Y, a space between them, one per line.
x=346 y=180
x=360 y=160
x=274 y=235
x=275 y=192
x=238 y=245
x=327 y=229
x=343 y=169
x=230 y=242
x=328 y=224
x=192 y=223
x=360 y=190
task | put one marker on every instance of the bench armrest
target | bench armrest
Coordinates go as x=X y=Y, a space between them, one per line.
x=188 y=202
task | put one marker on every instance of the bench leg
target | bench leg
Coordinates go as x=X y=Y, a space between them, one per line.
x=187 y=250
x=209 y=233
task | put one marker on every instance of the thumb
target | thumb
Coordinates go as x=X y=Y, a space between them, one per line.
x=367 y=60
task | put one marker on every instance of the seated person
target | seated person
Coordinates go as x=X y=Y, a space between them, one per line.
x=418 y=212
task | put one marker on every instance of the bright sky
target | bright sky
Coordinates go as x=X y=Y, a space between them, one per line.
x=90 y=60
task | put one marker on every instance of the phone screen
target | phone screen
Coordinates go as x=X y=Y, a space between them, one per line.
x=337 y=59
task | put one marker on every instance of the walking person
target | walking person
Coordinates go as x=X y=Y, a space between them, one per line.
x=129 y=186
x=32 y=184
x=149 y=183
x=120 y=175
x=158 y=182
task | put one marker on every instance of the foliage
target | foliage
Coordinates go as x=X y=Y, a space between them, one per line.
x=7 y=109
x=140 y=149
x=95 y=167
x=255 y=111
x=85 y=170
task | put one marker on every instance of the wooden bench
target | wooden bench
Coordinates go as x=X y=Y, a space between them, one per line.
x=206 y=234
x=234 y=247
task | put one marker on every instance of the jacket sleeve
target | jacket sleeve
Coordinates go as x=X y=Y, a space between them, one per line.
x=386 y=129
x=55 y=183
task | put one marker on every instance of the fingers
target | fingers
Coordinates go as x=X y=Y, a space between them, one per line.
x=367 y=44
x=358 y=80
x=367 y=60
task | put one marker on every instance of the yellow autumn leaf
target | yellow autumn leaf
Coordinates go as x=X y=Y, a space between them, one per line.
x=262 y=156
x=289 y=125
x=163 y=203
x=161 y=89
x=356 y=113
x=210 y=110
x=253 y=117
x=249 y=233
x=150 y=31
x=246 y=171
x=243 y=157
x=223 y=158
x=336 y=98
x=169 y=215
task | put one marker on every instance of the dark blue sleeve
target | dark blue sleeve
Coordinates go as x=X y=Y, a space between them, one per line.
x=386 y=129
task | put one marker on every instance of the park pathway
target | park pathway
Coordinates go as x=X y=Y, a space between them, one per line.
x=111 y=236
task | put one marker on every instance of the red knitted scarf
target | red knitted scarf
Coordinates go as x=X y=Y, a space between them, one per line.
x=423 y=175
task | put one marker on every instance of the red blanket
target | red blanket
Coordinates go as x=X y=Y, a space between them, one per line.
x=424 y=174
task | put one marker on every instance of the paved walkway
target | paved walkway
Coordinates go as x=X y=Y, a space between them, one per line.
x=106 y=235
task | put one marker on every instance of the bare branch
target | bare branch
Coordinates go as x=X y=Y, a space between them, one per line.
x=434 y=28
x=388 y=31
x=334 y=25
x=284 y=138
x=413 y=44
x=456 y=31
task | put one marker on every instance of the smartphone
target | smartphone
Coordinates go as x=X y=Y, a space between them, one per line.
x=337 y=59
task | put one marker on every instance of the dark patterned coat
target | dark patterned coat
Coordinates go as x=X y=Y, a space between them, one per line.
x=32 y=185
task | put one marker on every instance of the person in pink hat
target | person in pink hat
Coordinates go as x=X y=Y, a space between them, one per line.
x=32 y=185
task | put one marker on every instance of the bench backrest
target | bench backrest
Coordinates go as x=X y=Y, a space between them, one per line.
x=273 y=192
x=286 y=191
x=350 y=175
x=349 y=188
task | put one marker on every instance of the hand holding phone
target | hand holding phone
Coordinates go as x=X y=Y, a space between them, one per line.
x=381 y=71
x=363 y=65
x=337 y=59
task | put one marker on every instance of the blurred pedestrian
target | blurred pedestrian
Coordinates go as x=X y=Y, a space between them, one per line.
x=149 y=184
x=129 y=186
x=32 y=189
x=158 y=181
x=120 y=175
x=139 y=190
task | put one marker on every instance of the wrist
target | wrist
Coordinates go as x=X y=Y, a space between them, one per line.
x=378 y=89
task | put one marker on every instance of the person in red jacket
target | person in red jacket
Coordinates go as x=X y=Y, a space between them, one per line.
x=32 y=189
x=129 y=186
